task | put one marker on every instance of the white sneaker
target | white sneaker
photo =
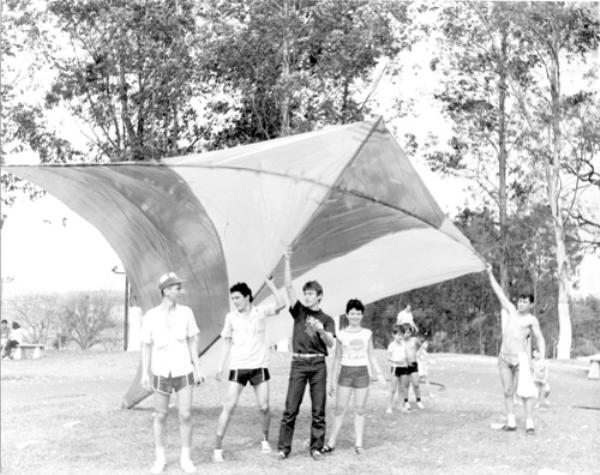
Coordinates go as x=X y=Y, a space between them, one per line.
x=218 y=455
x=265 y=447
x=406 y=407
x=420 y=405
x=388 y=410
x=187 y=466
x=158 y=466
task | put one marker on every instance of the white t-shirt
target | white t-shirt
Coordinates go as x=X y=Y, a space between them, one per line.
x=248 y=335
x=168 y=332
x=355 y=346
x=398 y=354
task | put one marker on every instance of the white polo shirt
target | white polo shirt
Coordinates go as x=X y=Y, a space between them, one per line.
x=167 y=332
x=249 y=348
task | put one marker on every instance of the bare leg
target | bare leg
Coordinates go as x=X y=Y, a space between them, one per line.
x=393 y=389
x=508 y=379
x=184 y=403
x=404 y=385
x=341 y=404
x=360 y=401
x=261 y=391
x=161 y=409
x=233 y=393
x=414 y=377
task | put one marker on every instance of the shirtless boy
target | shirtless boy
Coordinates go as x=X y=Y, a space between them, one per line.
x=517 y=326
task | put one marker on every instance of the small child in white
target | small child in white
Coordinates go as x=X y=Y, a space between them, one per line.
x=540 y=378
x=424 y=363
x=397 y=360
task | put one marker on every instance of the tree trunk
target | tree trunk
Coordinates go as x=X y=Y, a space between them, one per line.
x=502 y=86
x=285 y=73
x=552 y=166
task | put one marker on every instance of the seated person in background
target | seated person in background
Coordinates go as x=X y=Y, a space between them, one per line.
x=406 y=316
x=14 y=340
x=5 y=332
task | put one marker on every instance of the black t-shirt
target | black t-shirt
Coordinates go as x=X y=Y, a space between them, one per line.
x=305 y=338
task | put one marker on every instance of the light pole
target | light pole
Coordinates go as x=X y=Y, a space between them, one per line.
x=116 y=270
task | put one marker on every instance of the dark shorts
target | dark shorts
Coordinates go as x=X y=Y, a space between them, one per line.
x=406 y=370
x=354 y=377
x=253 y=376
x=166 y=385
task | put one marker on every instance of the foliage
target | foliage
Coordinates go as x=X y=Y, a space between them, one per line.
x=294 y=64
x=86 y=316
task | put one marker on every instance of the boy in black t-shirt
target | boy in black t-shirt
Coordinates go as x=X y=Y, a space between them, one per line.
x=314 y=332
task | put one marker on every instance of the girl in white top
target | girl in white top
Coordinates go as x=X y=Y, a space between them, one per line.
x=353 y=365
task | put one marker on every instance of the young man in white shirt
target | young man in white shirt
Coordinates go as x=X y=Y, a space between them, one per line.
x=244 y=335
x=169 y=350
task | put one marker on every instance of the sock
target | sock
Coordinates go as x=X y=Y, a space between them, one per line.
x=185 y=453
x=529 y=423
x=418 y=399
x=405 y=399
x=511 y=420
x=219 y=451
x=160 y=453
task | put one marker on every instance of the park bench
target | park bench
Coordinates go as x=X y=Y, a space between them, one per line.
x=594 y=372
x=21 y=351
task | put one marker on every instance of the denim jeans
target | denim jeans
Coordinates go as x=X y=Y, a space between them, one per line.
x=313 y=372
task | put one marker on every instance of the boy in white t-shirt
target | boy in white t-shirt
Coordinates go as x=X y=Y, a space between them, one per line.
x=245 y=339
x=170 y=353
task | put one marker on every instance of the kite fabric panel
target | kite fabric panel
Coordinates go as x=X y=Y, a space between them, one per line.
x=358 y=216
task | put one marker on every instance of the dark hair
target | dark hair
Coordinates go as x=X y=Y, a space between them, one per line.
x=356 y=305
x=526 y=294
x=15 y=325
x=4 y=321
x=396 y=329
x=313 y=285
x=243 y=289
x=406 y=326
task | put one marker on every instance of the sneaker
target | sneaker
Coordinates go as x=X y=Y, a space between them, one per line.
x=187 y=466
x=530 y=431
x=265 y=447
x=420 y=405
x=406 y=407
x=158 y=466
x=281 y=455
x=388 y=410
x=507 y=428
x=317 y=455
x=218 y=455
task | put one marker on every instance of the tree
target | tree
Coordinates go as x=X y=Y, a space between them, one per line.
x=556 y=33
x=292 y=65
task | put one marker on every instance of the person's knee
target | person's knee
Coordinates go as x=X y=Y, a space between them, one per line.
x=509 y=391
x=359 y=410
x=185 y=417
x=263 y=407
x=340 y=410
x=160 y=416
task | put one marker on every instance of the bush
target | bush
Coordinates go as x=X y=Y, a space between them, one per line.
x=38 y=314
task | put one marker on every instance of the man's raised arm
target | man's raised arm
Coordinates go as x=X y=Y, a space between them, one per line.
x=504 y=301
x=287 y=277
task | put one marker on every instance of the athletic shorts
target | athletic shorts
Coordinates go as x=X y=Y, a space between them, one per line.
x=253 y=376
x=406 y=370
x=354 y=377
x=508 y=361
x=168 y=384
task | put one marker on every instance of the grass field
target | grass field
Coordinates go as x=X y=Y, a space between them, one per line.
x=61 y=414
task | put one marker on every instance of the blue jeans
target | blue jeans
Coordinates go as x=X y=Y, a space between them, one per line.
x=313 y=372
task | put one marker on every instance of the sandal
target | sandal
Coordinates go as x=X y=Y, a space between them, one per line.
x=359 y=450
x=327 y=449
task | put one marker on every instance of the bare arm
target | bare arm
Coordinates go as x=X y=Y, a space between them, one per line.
x=287 y=277
x=279 y=301
x=504 y=301
x=374 y=364
x=335 y=367
x=227 y=342
x=146 y=357
x=192 y=344
x=539 y=338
